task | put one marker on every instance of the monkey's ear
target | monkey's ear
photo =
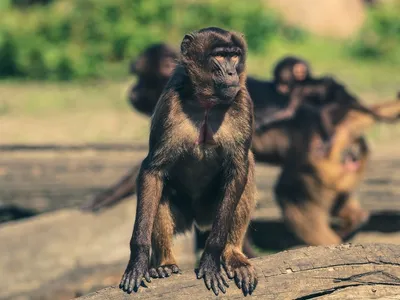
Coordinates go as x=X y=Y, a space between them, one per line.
x=187 y=40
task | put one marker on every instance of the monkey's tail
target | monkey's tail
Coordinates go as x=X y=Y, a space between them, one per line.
x=123 y=189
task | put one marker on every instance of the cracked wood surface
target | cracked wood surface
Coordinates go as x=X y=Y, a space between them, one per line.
x=370 y=271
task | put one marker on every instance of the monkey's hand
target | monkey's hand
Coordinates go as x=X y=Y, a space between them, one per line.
x=210 y=269
x=138 y=267
x=239 y=268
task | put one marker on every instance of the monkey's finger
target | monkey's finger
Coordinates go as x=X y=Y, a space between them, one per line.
x=153 y=273
x=138 y=282
x=253 y=285
x=224 y=279
x=176 y=270
x=245 y=284
x=161 y=272
x=147 y=276
x=220 y=283
x=129 y=284
x=169 y=272
x=122 y=282
x=200 y=273
x=238 y=279
x=207 y=280
x=229 y=272
x=214 y=286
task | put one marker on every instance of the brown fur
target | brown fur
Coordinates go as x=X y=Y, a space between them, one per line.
x=312 y=187
x=182 y=182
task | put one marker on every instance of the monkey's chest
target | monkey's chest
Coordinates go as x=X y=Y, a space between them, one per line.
x=197 y=173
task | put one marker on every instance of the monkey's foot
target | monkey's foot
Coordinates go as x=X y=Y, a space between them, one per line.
x=164 y=271
x=133 y=276
x=239 y=268
x=210 y=270
x=359 y=221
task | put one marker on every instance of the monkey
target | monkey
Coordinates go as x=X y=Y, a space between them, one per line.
x=199 y=168
x=153 y=68
x=312 y=188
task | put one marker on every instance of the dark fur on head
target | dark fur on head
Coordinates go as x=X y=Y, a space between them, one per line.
x=147 y=65
x=214 y=80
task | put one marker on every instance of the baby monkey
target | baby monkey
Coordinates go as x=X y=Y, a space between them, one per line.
x=199 y=168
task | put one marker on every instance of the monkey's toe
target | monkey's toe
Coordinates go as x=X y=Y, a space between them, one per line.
x=164 y=271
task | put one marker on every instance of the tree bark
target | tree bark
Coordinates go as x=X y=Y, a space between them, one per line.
x=347 y=271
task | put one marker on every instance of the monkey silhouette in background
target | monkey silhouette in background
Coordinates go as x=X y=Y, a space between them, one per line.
x=153 y=68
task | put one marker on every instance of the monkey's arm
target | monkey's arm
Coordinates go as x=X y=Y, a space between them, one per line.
x=287 y=113
x=353 y=103
x=235 y=177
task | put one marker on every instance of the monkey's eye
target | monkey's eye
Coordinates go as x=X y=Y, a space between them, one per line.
x=220 y=58
x=235 y=58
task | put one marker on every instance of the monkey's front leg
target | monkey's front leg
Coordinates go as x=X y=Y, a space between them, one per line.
x=149 y=194
x=210 y=263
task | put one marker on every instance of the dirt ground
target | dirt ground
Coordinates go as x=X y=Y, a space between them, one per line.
x=46 y=180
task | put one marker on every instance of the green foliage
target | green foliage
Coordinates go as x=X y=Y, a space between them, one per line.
x=380 y=37
x=68 y=39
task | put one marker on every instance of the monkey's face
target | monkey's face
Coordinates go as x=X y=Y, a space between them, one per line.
x=215 y=60
x=290 y=70
x=167 y=66
x=300 y=72
x=223 y=63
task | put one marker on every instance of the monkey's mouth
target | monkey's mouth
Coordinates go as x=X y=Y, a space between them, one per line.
x=350 y=161
x=228 y=93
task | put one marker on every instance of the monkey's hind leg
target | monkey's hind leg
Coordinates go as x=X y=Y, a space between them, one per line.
x=236 y=264
x=354 y=217
x=163 y=262
x=311 y=223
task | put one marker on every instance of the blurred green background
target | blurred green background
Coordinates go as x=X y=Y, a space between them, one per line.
x=63 y=57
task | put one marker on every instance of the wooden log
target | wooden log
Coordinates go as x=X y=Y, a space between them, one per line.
x=370 y=271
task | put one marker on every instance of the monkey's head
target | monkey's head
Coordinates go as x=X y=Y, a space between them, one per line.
x=290 y=70
x=214 y=60
x=157 y=61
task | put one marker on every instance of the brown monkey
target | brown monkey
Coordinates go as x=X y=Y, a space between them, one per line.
x=313 y=187
x=153 y=68
x=199 y=168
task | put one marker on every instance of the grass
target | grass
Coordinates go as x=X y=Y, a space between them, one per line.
x=97 y=111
